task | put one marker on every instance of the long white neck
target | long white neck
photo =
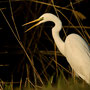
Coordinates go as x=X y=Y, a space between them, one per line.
x=55 y=30
x=55 y=33
x=58 y=40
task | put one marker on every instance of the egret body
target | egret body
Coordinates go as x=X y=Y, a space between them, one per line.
x=75 y=49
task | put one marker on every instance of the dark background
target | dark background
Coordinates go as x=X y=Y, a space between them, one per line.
x=11 y=53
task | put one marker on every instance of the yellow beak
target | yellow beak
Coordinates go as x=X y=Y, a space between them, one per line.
x=37 y=20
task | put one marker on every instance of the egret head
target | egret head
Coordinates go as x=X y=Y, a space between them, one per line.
x=43 y=18
x=46 y=17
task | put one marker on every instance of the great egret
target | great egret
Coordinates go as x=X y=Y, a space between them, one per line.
x=75 y=49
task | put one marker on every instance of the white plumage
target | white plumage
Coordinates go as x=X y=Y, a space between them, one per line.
x=75 y=49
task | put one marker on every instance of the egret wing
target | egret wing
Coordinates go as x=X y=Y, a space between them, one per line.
x=78 y=55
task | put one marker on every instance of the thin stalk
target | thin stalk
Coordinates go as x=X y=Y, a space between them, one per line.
x=20 y=43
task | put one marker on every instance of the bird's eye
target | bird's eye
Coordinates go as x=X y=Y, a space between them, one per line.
x=42 y=18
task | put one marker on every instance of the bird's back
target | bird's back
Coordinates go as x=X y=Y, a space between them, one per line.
x=77 y=53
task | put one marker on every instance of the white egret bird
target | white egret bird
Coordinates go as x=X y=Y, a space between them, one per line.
x=75 y=49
